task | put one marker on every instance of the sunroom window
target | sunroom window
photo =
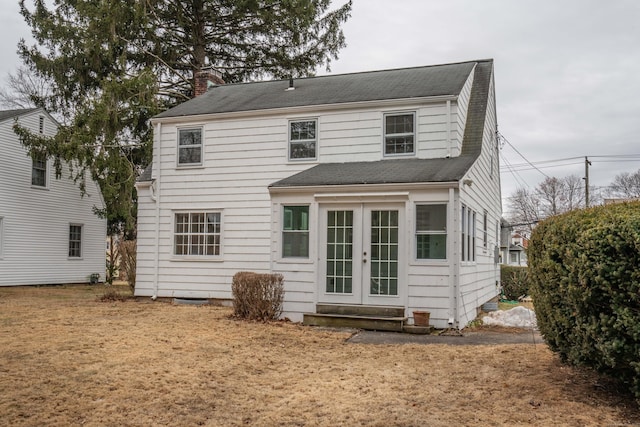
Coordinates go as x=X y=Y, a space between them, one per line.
x=295 y=232
x=431 y=231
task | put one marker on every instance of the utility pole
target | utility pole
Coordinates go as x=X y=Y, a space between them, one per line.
x=587 y=163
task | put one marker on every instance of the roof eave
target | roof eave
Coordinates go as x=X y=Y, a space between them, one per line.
x=306 y=109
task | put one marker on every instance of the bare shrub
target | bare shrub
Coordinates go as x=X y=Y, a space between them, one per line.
x=127 y=251
x=257 y=296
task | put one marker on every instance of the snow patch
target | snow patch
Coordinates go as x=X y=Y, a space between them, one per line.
x=517 y=317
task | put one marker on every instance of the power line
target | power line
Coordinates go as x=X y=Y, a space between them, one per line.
x=525 y=159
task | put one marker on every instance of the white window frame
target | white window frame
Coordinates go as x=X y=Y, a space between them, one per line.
x=467 y=234
x=431 y=232
x=485 y=231
x=45 y=173
x=285 y=229
x=386 y=135
x=80 y=241
x=291 y=140
x=190 y=234
x=190 y=146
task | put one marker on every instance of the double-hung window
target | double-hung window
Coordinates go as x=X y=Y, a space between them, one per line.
x=75 y=241
x=468 y=234
x=399 y=133
x=197 y=233
x=295 y=232
x=431 y=231
x=39 y=170
x=189 y=147
x=303 y=139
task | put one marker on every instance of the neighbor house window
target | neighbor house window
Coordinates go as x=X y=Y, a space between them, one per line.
x=303 y=139
x=399 y=133
x=39 y=170
x=75 y=241
x=468 y=234
x=295 y=232
x=190 y=146
x=431 y=231
x=197 y=233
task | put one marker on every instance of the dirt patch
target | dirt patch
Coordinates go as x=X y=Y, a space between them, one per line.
x=68 y=359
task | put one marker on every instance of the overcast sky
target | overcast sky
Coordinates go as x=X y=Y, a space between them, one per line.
x=567 y=72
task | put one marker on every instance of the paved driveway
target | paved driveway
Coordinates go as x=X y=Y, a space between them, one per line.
x=475 y=337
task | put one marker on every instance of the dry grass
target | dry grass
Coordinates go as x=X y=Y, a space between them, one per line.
x=68 y=359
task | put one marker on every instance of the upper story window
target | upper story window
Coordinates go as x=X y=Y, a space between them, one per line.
x=39 y=171
x=189 y=146
x=303 y=139
x=197 y=233
x=399 y=133
x=75 y=241
x=431 y=231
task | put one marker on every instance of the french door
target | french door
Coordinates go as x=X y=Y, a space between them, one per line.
x=361 y=252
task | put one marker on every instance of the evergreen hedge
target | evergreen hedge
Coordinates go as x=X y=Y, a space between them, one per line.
x=514 y=281
x=584 y=269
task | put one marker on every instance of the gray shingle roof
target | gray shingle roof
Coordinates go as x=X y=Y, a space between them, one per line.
x=410 y=170
x=8 y=114
x=435 y=80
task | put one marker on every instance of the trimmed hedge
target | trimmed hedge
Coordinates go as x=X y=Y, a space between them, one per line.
x=514 y=281
x=257 y=296
x=584 y=268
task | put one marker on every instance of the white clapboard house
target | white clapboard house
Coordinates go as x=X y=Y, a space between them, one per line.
x=375 y=189
x=48 y=231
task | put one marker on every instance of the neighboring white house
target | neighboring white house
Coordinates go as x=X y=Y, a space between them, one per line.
x=378 y=188
x=48 y=232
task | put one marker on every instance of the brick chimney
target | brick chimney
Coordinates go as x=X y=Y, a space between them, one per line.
x=205 y=78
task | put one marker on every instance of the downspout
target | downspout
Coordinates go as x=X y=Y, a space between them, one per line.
x=454 y=265
x=448 y=128
x=156 y=163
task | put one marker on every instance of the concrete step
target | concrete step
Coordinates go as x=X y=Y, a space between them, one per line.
x=360 y=310
x=370 y=323
x=417 y=330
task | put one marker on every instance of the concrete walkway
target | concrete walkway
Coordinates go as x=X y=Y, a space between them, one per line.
x=475 y=337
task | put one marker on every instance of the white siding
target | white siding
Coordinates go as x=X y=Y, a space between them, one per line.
x=243 y=155
x=479 y=280
x=35 y=221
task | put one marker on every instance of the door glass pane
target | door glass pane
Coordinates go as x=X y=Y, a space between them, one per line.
x=339 y=252
x=384 y=253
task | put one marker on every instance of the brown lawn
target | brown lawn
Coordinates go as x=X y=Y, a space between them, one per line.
x=67 y=359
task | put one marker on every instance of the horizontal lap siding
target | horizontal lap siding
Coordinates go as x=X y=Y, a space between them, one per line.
x=241 y=158
x=35 y=240
x=459 y=116
x=478 y=282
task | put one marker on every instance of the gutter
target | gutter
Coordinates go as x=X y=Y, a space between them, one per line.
x=156 y=266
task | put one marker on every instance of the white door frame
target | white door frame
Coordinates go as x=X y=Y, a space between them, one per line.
x=360 y=256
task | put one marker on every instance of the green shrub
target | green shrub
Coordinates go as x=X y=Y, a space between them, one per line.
x=257 y=296
x=585 y=281
x=514 y=281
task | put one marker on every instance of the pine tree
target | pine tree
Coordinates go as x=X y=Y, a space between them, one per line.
x=113 y=64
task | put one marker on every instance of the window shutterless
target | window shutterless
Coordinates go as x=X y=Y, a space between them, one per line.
x=399 y=133
x=190 y=146
x=197 y=233
x=295 y=232
x=303 y=139
x=431 y=231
